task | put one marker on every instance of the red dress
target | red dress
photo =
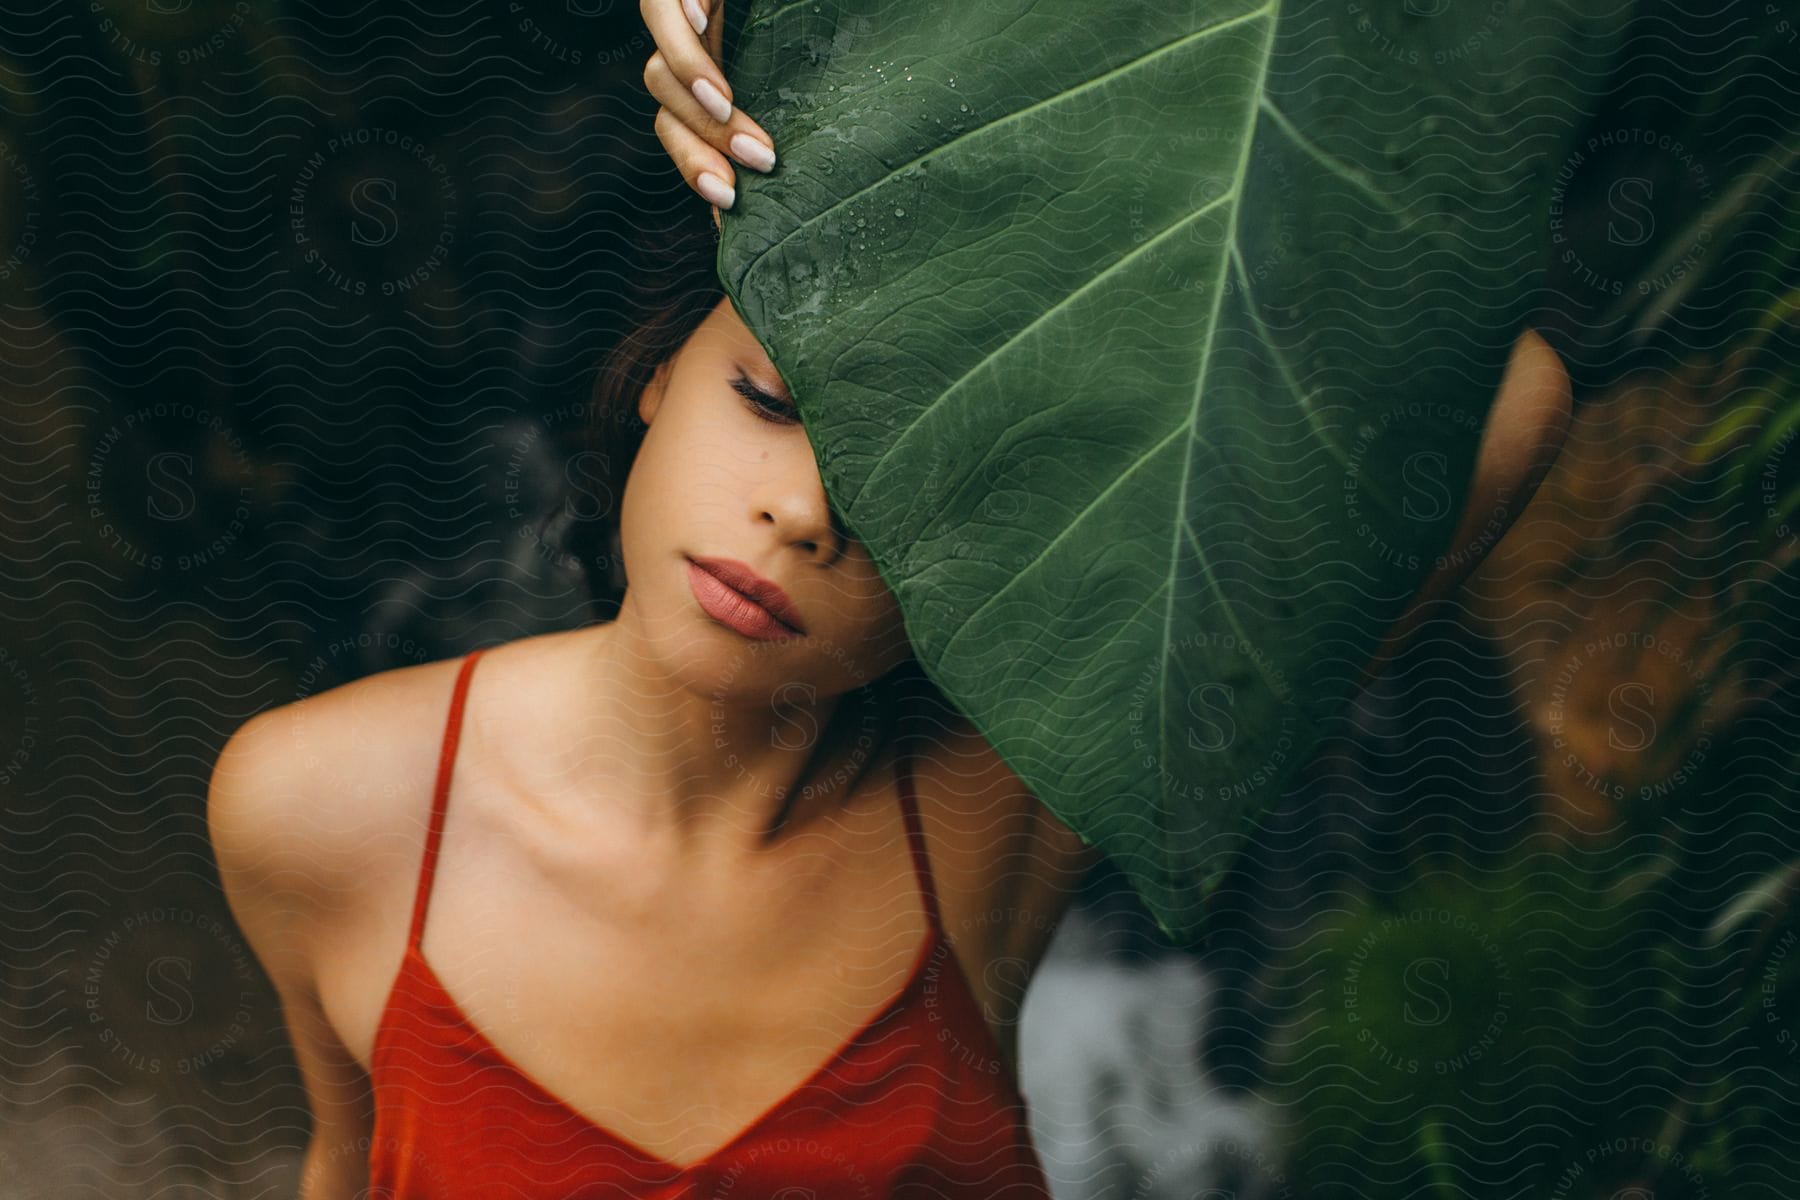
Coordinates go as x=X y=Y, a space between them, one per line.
x=914 y=1104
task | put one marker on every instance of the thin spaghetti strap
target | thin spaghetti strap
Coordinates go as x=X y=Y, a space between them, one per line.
x=915 y=836
x=440 y=795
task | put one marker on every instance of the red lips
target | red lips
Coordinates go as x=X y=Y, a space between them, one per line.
x=740 y=578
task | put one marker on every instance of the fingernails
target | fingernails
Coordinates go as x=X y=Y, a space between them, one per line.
x=752 y=152
x=712 y=100
x=716 y=189
x=696 y=17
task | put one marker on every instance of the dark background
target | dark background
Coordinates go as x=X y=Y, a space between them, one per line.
x=302 y=306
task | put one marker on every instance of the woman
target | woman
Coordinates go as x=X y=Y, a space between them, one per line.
x=723 y=898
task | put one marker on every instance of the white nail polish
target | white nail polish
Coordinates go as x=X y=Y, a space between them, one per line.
x=712 y=100
x=752 y=152
x=695 y=15
x=716 y=189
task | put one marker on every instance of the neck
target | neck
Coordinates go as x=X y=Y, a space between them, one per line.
x=709 y=765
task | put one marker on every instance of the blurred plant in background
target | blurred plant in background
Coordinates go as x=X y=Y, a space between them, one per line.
x=1608 y=1004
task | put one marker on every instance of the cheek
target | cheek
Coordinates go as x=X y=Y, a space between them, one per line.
x=714 y=463
x=654 y=506
x=680 y=471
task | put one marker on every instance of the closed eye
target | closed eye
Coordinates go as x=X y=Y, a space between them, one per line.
x=770 y=408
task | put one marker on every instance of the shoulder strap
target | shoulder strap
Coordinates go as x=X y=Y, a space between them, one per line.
x=915 y=835
x=440 y=796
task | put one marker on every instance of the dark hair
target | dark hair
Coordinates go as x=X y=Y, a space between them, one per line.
x=670 y=295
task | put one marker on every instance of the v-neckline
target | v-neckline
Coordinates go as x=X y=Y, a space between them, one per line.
x=416 y=957
x=934 y=942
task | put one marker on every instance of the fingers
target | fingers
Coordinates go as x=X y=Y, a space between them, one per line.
x=704 y=169
x=686 y=30
x=708 y=19
x=740 y=137
x=695 y=14
x=685 y=78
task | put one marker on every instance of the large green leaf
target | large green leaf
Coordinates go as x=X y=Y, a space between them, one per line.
x=1145 y=344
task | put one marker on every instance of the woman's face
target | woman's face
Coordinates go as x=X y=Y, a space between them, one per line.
x=724 y=476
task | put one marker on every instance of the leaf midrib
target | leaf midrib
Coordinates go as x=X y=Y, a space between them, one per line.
x=1142 y=248
x=1012 y=115
x=1273 y=9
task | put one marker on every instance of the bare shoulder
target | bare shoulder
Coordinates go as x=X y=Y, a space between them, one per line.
x=303 y=802
x=303 y=798
x=957 y=765
x=315 y=802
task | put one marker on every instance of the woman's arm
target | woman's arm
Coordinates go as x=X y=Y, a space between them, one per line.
x=255 y=811
x=697 y=124
x=1522 y=436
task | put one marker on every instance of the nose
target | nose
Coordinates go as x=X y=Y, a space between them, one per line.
x=805 y=519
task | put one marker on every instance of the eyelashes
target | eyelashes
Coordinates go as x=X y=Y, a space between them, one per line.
x=768 y=407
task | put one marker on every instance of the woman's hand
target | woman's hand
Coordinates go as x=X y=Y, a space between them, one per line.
x=697 y=124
